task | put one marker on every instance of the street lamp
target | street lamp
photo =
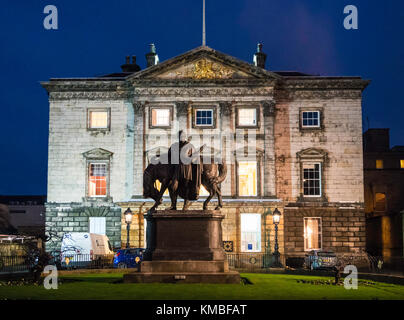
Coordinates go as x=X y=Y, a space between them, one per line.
x=128 y=219
x=276 y=217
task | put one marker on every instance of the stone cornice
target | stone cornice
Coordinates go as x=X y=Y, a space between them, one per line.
x=86 y=89
x=203 y=92
x=324 y=83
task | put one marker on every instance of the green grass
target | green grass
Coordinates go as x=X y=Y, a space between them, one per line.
x=263 y=287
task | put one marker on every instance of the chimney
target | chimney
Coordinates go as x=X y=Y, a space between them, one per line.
x=130 y=67
x=152 y=57
x=260 y=57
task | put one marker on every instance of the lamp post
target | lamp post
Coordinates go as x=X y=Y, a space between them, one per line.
x=128 y=219
x=276 y=219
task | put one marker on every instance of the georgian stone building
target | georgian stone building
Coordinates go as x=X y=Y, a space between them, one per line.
x=294 y=142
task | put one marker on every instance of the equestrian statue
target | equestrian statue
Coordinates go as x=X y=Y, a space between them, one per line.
x=182 y=174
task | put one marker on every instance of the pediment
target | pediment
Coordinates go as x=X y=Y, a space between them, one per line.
x=204 y=63
x=98 y=153
x=312 y=153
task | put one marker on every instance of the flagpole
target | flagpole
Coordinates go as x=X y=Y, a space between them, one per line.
x=204 y=26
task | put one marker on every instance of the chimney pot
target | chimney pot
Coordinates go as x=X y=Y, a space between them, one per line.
x=260 y=57
x=152 y=58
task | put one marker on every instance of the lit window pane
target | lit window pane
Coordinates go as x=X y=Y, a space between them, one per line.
x=98 y=119
x=312 y=179
x=161 y=117
x=312 y=234
x=250 y=232
x=97 y=182
x=247 y=178
x=402 y=164
x=379 y=164
x=203 y=192
x=247 y=117
x=380 y=202
x=158 y=187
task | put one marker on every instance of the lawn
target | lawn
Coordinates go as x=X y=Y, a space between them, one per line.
x=261 y=287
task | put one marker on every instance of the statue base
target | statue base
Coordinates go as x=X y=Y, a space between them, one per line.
x=186 y=247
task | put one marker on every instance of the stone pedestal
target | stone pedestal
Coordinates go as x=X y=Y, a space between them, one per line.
x=184 y=247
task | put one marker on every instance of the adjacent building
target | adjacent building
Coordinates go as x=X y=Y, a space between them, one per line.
x=26 y=213
x=293 y=141
x=384 y=194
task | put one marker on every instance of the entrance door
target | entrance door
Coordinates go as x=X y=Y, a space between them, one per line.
x=97 y=225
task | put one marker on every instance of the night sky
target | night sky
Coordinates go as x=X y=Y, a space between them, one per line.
x=95 y=36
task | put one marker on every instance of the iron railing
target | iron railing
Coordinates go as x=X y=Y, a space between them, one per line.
x=250 y=261
x=13 y=264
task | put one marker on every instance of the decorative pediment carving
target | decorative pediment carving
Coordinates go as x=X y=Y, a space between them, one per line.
x=203 y=69
x=312 y=154
x=98 y=153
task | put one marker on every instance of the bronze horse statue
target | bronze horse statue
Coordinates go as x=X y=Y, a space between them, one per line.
x=212 y=175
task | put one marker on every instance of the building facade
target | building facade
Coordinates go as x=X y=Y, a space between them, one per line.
x=26 y=213
x=292 y=141
x=384 y=195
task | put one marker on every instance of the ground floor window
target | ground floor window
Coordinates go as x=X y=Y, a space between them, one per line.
x=247 y=179
x=250 y=233
x=97 y=225
x=312 y=234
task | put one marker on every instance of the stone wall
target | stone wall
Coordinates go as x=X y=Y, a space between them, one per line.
x=69 y=139
x=340 y=138
x=343 y=229
x=74 y=217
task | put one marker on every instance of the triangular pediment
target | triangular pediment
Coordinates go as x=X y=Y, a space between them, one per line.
x=98 y=153
x=312 y=153
x=204 y=63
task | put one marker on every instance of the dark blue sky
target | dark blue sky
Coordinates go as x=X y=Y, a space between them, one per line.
x=95 y=36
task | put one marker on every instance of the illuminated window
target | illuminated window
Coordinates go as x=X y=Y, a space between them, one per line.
x=312 y=180
x=380 y=202
x=160 y=117
x=379 y=164
x=247 y=117
x=247 y=178
x=312 y=234
x=97 y=180
x=310 y=119
x=98 y=119
x=203 y=117
x=250 y=233
x=158 y=187
x=402 y=164
x=203 y=192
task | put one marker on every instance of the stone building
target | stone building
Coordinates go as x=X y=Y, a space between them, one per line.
x=294 y=142
x=384 y=194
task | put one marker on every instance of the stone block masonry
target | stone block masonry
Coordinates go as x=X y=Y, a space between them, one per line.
x=74 y=217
